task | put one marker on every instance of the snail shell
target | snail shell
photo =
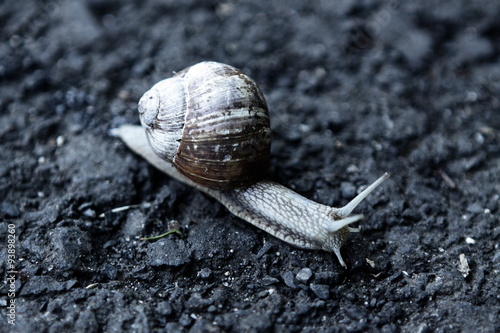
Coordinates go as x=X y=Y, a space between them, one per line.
x=211 y=121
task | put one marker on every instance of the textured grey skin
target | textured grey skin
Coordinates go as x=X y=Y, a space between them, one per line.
x=269 y=205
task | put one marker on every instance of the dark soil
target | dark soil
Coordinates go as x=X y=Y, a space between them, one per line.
x=355 y=88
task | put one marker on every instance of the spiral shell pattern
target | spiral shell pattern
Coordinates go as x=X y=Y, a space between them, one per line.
x=211 y=121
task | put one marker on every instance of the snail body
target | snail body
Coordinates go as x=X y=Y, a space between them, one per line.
x=208 y=127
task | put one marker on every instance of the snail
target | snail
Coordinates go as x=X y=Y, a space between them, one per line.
x=208 y=127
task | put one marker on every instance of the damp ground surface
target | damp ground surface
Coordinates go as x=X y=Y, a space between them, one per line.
x=355 y=89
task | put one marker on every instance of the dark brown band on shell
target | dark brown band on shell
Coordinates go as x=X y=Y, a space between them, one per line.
x=226 y=139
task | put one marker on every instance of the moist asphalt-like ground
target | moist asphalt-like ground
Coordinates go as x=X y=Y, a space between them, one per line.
x=354 y=88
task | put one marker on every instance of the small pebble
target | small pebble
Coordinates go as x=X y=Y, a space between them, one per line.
x=475 y=208
x=268 y=280
x=263 y=250
x=322 y=291
x=205 y=273
x=348 y=190
x=60 y=141
x=9 y=209
x=470 y=240
x=288 y=279
x=304 y=275
x=89 y=213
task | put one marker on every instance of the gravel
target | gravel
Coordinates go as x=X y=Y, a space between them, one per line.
x=355 y=89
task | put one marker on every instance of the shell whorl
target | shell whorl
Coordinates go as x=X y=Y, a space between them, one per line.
x=211 y=121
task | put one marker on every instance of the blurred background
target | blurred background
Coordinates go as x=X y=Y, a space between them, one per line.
x=354 y=87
